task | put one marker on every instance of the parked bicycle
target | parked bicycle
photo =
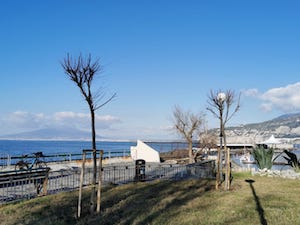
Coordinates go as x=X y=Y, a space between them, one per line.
x=37 y=162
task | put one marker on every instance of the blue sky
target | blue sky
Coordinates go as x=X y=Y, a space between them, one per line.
x=155 y=55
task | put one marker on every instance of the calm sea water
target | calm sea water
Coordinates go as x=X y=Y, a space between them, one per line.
x=13 y=147
x=19 y=148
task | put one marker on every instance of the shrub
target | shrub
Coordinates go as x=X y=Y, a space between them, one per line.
x=263 y=157
x=292 y=160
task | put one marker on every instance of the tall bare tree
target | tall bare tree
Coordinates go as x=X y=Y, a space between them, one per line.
x=82 y=71
x=220 y=104
x=186 y=124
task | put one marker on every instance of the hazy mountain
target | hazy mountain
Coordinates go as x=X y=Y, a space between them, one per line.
x=51 y=134
x=284 y=126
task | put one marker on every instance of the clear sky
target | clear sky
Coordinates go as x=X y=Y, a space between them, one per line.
x=155 y=55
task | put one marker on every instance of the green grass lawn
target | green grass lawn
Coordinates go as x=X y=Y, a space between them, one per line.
x=260 y=200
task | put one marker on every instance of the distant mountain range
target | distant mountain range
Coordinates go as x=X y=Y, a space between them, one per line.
x=51 y=134
x=284 y=126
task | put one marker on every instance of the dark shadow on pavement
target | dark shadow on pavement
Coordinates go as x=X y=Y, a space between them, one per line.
x=259 y=208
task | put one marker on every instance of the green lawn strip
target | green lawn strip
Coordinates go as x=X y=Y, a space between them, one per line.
x=193 y=201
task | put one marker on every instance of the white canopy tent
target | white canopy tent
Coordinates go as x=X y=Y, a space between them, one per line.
x=272 y=141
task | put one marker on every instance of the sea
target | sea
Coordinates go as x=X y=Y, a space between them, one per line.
x=19 y=148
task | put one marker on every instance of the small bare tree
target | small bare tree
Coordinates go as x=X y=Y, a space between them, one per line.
x=207 y=141
x=220 y=104
x=186 y=124
x=82 y=71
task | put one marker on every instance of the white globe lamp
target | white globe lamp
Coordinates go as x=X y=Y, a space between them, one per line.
x=221 y=97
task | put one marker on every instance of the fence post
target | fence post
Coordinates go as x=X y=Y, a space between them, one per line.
x=8 y=160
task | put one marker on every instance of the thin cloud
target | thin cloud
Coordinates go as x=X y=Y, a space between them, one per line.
x=253 y=92
x=20 y=121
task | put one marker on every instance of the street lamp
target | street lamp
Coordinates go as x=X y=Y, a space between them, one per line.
x=221 y=97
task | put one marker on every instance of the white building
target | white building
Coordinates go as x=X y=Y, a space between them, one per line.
x=145 y=152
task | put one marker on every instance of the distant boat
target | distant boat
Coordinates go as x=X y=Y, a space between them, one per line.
x=246 y=159
x=248 y=162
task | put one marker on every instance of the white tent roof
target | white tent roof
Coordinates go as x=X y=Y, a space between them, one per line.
x=271 y=140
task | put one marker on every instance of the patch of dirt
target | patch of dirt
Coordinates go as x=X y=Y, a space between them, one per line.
x=180 y=155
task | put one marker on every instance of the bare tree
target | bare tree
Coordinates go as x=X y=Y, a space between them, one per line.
x=220 y=104
x=187 y=123
x=82 y=71
x=207 y=141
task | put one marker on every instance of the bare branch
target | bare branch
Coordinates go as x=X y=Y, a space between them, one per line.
x=214 y=104
x=187 y=123
x=82 y=72
x=229 y=102
x=107 y=101
x=217 y=108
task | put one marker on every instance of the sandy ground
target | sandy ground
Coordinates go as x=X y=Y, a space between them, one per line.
x=67 y=165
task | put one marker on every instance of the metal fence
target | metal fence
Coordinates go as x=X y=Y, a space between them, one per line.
x=65 y=180
x=7 y=160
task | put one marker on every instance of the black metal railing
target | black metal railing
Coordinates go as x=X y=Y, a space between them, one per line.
x=19 y=188
x=7 y=160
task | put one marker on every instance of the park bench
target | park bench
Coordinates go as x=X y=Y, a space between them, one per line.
x=36 y=176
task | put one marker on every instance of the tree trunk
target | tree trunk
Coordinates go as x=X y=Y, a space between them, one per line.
x=228 y=169
x=218 y=180
x=219 y=174
x=191 y=155
x=93 y=191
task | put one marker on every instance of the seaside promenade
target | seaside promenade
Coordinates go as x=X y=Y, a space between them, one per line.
x=65 y=176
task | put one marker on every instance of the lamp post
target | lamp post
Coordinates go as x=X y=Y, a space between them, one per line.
x=220 y=104
x=221 y=97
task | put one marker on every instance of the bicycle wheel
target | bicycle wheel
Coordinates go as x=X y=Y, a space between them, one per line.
x=21 y=165
x=41 y=164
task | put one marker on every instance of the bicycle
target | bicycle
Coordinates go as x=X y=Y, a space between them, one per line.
x=35 y=163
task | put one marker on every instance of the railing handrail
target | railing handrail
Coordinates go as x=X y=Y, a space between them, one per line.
x=66 y=180
x=59 y=157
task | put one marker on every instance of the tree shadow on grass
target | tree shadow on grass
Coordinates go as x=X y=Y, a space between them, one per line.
x=135 y=203
x=180 y=196
x=259 y=208
x=145 y=202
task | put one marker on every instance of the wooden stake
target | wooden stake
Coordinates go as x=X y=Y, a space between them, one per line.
x=81 y=184
x=99 y=182
x=45 y=182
